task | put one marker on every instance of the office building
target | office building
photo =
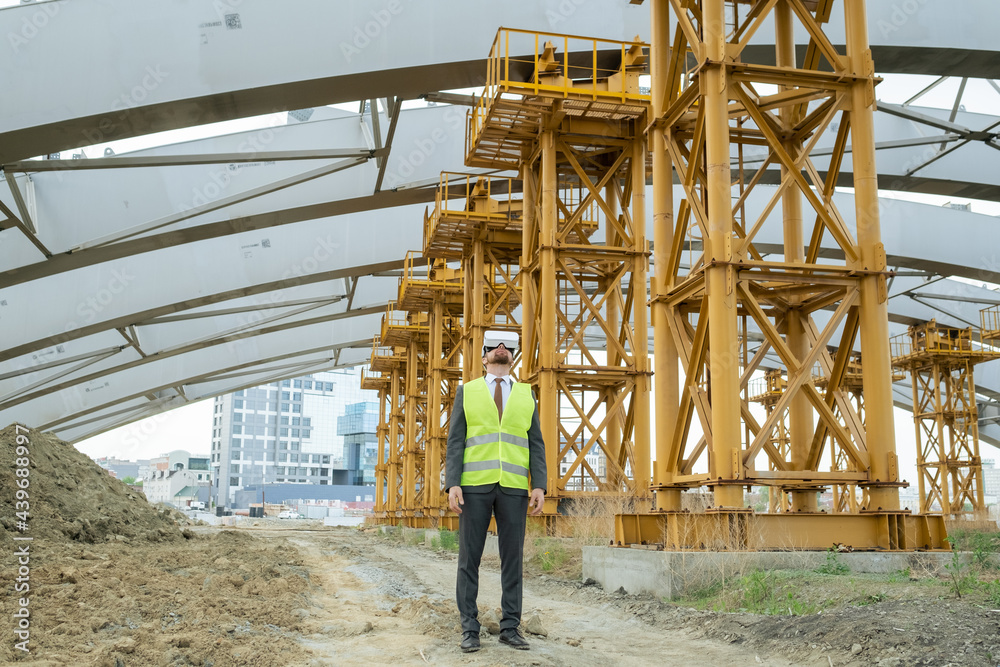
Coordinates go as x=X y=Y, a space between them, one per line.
x=284 y=432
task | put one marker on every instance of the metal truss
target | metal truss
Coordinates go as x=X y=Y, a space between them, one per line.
x=701 y=118
x=418 y=356
x=477 y=222
x=574 y=131
x=940 y=362
x=46 y=253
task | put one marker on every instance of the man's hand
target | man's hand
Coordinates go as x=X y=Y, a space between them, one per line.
x=455 y=499
x=536 y=501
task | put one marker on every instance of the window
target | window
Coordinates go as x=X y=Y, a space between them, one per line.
x=235 y=468
x=307 y=421
x=284 y=407
x=309 y=384
x=239 y=393
x=295 y=432
x=283 y=458
x=284 y=421
x=329 y=386
x=298 y=384
x=297 y=407
x=283 y=431
x=295 y=446
x=285 y=395
x=326 y=460
x=234 y=481
x=280 y=470
x=294 y=458
x=238 y=403
x=237 y=416
x=286 y=383
x=237 y=429
x=297 y=396
x=296 y=420
x=305 y=433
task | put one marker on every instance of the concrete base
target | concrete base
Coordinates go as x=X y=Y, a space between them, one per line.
x=672 y=574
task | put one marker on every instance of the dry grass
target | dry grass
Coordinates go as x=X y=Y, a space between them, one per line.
x=589 y=521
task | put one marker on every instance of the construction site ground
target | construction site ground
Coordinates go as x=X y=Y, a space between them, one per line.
x=298 y=593
x=118 y=582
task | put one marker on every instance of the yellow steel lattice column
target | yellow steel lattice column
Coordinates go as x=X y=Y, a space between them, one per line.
x=666 y=497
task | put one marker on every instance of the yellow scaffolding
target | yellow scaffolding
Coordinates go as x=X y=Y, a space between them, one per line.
x=568 y=114
x=767 y=391
x=940 y=362
x=435 y=293
x=388 y=363
x=708 y=104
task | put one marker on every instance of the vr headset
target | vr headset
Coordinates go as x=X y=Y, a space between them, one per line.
x=494 y=338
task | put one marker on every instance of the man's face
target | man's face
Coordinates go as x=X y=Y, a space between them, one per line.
x=499 y=355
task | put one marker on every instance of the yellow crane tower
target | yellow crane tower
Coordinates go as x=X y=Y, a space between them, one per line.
x=707 y=103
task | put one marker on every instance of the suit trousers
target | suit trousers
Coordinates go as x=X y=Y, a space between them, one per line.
x=511 y=515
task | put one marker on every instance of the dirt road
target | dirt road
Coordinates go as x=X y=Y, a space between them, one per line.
x=380 y=602
x=294 y=594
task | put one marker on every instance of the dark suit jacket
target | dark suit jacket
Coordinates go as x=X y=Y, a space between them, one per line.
x=456 y=452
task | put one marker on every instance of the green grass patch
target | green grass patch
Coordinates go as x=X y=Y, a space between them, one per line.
x=449 y=540
x=833 y=565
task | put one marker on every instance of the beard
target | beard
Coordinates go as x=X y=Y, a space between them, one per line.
x=502 y=356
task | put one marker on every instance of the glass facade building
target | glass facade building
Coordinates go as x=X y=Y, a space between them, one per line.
x=285 y=432
x=358 y=426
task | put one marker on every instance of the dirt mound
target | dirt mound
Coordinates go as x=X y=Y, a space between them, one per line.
x=72 y=497
x=216 y=599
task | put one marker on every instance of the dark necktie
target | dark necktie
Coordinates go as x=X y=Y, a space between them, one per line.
x=498 y=397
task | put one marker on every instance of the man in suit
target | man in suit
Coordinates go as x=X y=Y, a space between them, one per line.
x=494 y=444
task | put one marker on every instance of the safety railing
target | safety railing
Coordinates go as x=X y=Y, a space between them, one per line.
x=932 y=340
x=990 y=323
x=461 y=194
x=560 y=66
x=371 y=379
x=900 y=346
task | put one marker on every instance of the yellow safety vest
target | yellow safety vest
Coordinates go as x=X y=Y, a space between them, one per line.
x=496 y=451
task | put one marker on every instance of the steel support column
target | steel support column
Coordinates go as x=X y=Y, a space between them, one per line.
x=666 y=496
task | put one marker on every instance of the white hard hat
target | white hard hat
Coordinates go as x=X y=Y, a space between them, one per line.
x=494 y=337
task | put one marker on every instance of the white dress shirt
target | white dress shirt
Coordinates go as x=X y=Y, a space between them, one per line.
x=505 y=385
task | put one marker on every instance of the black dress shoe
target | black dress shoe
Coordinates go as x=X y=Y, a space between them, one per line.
x=512 y=637
x=470 y=642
